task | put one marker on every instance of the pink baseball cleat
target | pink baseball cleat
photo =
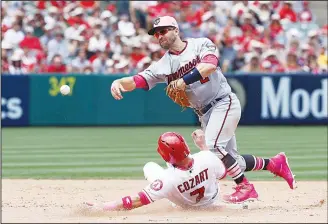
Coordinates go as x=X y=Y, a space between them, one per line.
x=278 y=165
x=244 y=192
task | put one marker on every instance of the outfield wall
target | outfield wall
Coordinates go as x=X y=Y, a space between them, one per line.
x=35 y=100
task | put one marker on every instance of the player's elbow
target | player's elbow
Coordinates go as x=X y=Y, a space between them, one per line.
x=206 y=69
x=210 y=67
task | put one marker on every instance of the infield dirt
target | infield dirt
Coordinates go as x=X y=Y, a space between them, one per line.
x=44 y=201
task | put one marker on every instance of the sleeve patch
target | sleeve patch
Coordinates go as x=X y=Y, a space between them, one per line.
x=157 y=185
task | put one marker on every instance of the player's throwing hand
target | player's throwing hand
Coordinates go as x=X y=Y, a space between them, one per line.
x=116 y=90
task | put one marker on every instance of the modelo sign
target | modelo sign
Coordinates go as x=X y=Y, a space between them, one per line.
x=14 y=100
x=294 y=99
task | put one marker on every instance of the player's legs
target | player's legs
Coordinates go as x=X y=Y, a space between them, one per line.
x=152 y=171
x=246 y=162
x=277 y=165
x=219 y=131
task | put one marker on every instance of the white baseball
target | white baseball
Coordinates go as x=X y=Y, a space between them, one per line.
x=65 y=89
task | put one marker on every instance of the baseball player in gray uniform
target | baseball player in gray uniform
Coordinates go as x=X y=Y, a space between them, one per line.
x=192 y=66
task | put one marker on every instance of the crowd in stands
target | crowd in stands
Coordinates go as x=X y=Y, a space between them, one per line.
x=110 y=37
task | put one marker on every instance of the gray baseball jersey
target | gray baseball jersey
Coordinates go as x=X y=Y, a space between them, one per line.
x=171 y=67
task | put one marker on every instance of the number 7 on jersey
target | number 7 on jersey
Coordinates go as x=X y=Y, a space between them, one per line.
x=200 y=191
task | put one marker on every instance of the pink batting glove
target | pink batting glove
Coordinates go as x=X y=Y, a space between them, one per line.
x=198 y=137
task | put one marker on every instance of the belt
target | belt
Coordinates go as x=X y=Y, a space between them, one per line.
x=203 y=111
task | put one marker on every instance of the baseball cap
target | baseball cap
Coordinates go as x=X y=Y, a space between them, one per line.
x=163 y=21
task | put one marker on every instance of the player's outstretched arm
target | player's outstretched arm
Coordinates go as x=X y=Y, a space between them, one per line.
x=125 y=84
x=127 y=203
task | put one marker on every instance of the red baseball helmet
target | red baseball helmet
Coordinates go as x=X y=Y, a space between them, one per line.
x=172 y=147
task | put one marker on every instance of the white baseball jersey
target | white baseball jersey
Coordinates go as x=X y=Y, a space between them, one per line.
x=171 y=67
x=197 y=186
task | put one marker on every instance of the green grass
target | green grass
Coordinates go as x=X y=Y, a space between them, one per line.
x=121 y=152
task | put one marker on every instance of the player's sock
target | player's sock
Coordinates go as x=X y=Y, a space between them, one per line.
x=233 y=169
x=255 y=163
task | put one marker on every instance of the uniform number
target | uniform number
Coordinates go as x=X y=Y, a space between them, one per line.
x=200 y=192
x=204 y=80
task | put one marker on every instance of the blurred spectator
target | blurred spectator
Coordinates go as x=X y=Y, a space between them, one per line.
x=125 y=27
x=228 y=54
x=77 y=17
x=116 y=45
x=287 y=12
x=75 y=41
x=138 y=11
x=323 y=57
x=305 y=14
x=57 y=65
x=6 y=21
x=80 y=62
x=302 y=57
x=311 y=64
x=52 y=16
x=247 y=23
x=252 y=63
x=137 y=54
x=4 y=61
x=239 y=61
x=122 y=67
x=58 y=45
x=14 y=35
x=314 y=40
x=264 y=12
x=209 y=24
x=271 y=56
x=47 y=36
x=101 y=63
x=98 y=41
x=30 y=41
x=275 y=26
x=143 y=64
x=29 y=61
x=39 y=25
x=292 y=65
x=16 y=65
x=266 y=66
x=88 y=70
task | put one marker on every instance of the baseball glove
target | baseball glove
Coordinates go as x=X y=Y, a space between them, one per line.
x=178 y=96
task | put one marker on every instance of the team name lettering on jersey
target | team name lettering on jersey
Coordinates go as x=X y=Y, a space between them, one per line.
x=184 y=69
x=193 y=182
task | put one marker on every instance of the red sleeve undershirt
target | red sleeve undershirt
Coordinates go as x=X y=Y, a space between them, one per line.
x=141 y=82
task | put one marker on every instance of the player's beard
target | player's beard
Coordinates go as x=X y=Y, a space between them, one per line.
x=168 y=42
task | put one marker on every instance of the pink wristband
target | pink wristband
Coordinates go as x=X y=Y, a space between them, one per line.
x=127 y=202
